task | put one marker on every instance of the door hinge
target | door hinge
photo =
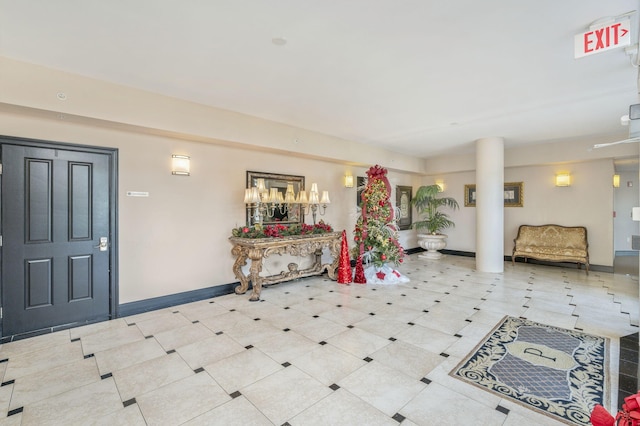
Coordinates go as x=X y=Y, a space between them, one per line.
x=0 y=168
x=0 y=240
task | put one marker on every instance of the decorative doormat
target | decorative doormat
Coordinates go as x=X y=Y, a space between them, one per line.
x=558 y=372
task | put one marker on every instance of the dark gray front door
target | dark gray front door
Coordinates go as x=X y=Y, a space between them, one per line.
x=56 y=238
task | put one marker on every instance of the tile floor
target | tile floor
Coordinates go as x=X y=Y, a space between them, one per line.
x=312 y=352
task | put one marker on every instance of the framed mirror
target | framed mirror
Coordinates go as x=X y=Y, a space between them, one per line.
x=275 y=212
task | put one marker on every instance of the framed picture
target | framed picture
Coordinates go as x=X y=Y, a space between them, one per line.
x=513 y=195
x=361 y=182
x=403 y=203
x=469 y=195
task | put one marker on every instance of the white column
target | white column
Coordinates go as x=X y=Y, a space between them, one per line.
x=490 y=205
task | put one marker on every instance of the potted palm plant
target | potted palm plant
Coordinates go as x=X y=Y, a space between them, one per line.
x=433 y=219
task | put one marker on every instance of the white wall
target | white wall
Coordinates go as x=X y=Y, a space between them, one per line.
x=587 y=202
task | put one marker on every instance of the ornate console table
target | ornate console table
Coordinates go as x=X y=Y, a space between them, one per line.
x=258 y=249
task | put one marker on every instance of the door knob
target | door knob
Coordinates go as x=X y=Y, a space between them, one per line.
x=104 y=244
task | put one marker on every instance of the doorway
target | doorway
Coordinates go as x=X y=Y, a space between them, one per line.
x=625 y=197
x=58 y=266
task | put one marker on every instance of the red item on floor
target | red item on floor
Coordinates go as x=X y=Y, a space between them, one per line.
x=359 y=277
x=344 y=267
x=628 y=416
x=601 y=417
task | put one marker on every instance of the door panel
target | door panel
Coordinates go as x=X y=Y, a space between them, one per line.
x=55 y=209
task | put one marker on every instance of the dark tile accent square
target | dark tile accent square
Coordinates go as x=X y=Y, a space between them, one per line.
x=629 y=368
x=393 y=339
x=367 y=359
x=212 y=301
x=88 y=356
x=437 y=301
x=235 y=394
x=358 y=297
x=286 y=364
x=338 y=306
x=129 y=402
x=149 y=337
x=457 y=335
x=175 y=312
x=425 y=311
x=349 y=326
x=198 y=370
x=248 y=347
x=575 y=315
x=15 y=411
x=106 y=376
x=195 y=322
x=468 y=320
x=219 y=333
x=232 y=310
x=316 y=316
x=4 y=360
x=131 y=325
x=403 y=295
x=311 y=298
x=425 y=380
x=8 y=382
x=77 y=339
x=286 y=329
x=286 y=307
x=389 y=303
x=256 y=319
x=371 y=313
x=286 y=424
x=322 y=343
x=442 y=354
x=502 y=409
x=410 y=323
x=398 y=417
x=628 y=383
x=334 y=387
x=476 y=308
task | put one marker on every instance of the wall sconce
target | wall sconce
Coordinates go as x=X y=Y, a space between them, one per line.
x=180 y=165
x=440 y=184
x=616 y=181
x=348 y=181
x=563 y=179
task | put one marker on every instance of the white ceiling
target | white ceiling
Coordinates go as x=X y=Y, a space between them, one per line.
x=420 y=77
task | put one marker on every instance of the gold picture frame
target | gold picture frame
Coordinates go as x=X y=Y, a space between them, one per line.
x=513 y=194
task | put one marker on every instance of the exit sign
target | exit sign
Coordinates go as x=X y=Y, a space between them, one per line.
x=603 y=38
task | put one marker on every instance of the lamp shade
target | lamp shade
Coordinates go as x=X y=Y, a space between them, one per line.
x=313 y=198
x=273 y=196
x=325 y=198
x=302 y=197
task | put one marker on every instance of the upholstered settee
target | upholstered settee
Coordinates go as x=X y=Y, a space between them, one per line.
x=552 y=243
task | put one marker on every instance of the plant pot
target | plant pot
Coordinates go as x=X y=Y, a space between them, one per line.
x=432 y=243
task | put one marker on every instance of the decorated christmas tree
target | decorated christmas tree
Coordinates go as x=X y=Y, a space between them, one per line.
x=376 y=234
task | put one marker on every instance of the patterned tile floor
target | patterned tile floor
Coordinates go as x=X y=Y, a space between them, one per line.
x=312 y=352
